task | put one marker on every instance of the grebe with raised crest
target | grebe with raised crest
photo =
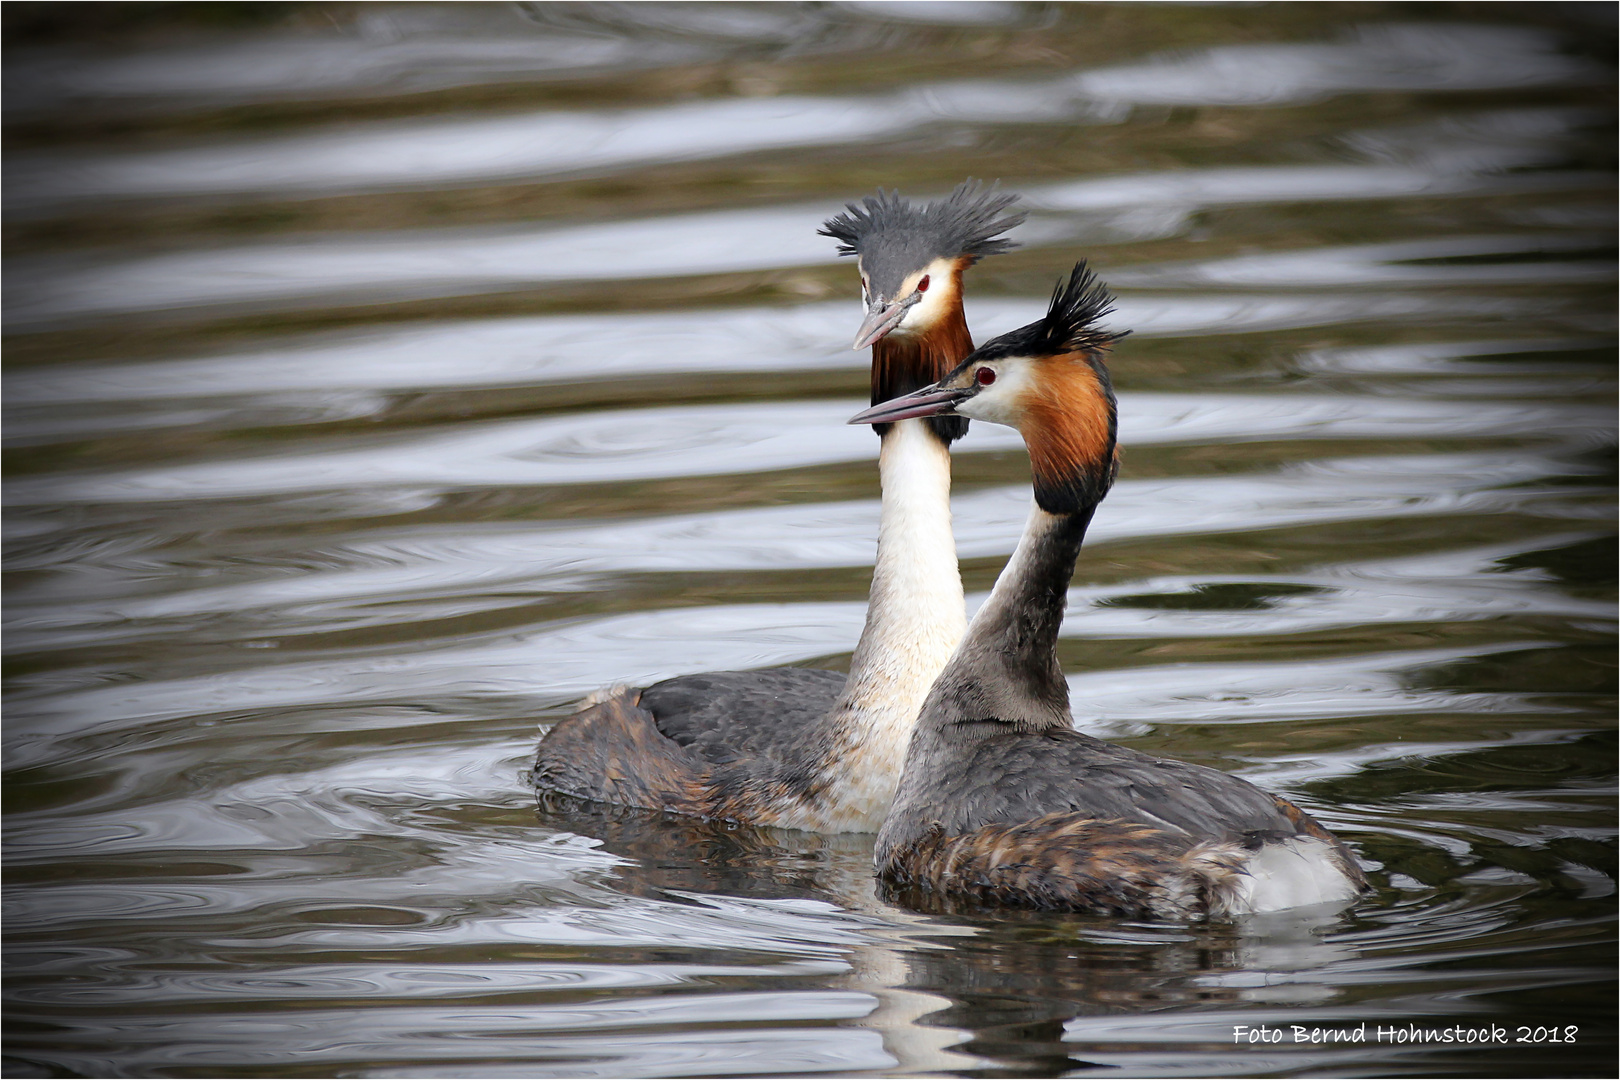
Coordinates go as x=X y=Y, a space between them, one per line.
x=1001 y=802
x=796 y=747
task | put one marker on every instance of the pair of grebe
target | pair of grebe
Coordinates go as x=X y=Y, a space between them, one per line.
x=959 y=749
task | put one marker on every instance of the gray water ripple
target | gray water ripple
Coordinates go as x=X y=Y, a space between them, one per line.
x=1412 y=57
x=1454 y=159
x=399 y=51
x=461 y=150
x=801 y=929
x=416 y=265
x=122 y=588
x=644 y=444
x=395 y=50
x=467 y=150
x=577 y=656
x=380 y=795
x=1474 y=361
x=1236 y=692
x=1455 y=260
x=322 y=374
x=521 y=1038
x=57 y=290
x=471 y=150
x=400 y=981
x=392 y=50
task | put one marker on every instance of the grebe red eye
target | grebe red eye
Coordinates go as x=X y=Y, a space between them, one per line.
x=984 y=376
x=922 y=286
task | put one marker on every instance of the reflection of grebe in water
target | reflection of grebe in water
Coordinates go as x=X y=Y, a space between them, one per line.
x=1001 y=801
x=794 y=747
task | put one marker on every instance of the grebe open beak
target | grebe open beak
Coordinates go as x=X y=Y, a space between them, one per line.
x=933 y=400
x=882 y=317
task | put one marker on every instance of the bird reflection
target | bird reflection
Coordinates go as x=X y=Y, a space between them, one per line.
x=957 y=987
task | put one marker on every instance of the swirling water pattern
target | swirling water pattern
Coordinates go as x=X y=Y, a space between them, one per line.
x=382 y=379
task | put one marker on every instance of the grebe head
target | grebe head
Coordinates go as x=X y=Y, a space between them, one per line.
x=1047 y=380
x=911 y=257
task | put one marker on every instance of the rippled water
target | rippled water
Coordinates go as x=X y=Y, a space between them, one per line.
x=383 y=378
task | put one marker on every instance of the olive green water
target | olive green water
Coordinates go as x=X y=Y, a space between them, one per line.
x=382 y=378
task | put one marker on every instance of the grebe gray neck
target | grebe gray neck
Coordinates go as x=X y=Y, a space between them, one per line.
x=1006 y=667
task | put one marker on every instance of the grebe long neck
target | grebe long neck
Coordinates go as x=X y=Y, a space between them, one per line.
x=1007 y=667
x=916 y=612
x=914 y=620
x=1006 y=670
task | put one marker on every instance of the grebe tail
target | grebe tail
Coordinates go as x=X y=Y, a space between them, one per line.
x=1001 y=802
x=800 y=748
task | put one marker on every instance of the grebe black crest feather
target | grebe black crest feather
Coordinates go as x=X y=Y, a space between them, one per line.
x=1069 y=325
x=893 y=235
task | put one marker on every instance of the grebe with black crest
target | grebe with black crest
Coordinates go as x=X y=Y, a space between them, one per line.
x=1001 y=802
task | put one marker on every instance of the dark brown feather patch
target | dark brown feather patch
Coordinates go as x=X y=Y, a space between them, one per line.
x=1064 y=862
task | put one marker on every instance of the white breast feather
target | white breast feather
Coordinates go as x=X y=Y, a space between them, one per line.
x=1296 y=872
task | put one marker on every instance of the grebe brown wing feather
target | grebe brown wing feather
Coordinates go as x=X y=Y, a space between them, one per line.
x=1062 y=821
x=612 y=752
x=1020 y=777
x=733 y=748
x=727 y=715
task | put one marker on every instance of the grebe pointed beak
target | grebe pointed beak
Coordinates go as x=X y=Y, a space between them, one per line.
x=882 y=317
x=929 y=401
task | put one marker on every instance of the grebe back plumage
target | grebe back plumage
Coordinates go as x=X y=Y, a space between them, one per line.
x=794 y=747
x=1001 y=802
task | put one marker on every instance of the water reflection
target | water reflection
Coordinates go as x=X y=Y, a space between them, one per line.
x=1413 y=56
x=1499 y=260
x=697 y=441
x=461 y=151
x=307 y=372
x=404 y=48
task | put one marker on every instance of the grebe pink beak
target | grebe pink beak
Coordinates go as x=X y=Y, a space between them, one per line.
x=881 y=317
x=936 y=400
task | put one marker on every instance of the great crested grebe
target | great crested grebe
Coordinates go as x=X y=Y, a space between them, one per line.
x=794 y=747
x=1001 y=802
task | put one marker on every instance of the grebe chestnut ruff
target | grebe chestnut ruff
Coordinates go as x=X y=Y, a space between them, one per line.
x=1001 y=802
x=794 y=747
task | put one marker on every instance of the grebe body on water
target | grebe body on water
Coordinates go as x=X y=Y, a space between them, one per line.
x=1002 y=802
x=799 y=748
